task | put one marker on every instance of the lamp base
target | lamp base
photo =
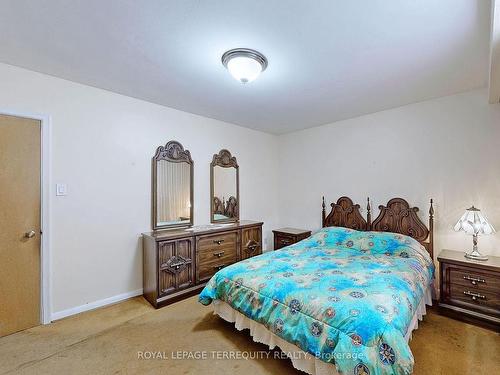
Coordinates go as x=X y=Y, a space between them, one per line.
x=476 y=255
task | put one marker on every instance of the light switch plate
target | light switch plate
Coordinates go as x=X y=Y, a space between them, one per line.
x=61 y=189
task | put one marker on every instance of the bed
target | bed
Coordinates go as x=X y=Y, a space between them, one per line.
x=344 y=300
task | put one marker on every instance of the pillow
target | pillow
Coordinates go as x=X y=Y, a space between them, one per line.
x=367 y=242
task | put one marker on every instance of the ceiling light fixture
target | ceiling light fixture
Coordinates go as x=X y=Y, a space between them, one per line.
x=244 y=64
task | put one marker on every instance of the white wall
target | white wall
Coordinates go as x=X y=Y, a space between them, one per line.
x=102 y=144
x=447 y=149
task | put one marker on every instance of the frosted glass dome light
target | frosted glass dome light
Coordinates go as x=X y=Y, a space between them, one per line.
x=244 y=64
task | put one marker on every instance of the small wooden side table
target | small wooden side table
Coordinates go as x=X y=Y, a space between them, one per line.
x=470 y=289
x=287 y=236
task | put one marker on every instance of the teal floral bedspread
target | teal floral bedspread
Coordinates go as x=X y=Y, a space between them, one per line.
x=345 y=296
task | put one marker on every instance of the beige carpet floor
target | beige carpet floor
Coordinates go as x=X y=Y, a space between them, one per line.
x=120 y=339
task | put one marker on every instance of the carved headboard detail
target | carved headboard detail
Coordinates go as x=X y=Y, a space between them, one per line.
x=344 y=213
x=232 y=207
x=395 y=217
x=218 y=206
x=398 y=217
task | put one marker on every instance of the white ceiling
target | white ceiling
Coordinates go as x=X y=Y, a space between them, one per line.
x=328 y=59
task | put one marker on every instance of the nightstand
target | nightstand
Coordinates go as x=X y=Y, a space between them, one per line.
x=469 y=289
x=287 y=236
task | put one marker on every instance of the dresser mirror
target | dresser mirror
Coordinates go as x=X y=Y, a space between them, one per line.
x=224 y=188
x=172 y=187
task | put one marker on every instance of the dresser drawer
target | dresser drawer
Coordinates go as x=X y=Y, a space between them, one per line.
x=475 y=279
x=474 y=297
x=211 y=243
x=208 y=266
x=216 y=252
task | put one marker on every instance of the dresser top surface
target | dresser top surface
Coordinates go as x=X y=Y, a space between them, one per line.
x=200 y=229
x=458 y=257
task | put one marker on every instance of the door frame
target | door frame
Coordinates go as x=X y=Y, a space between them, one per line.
x=45 y=184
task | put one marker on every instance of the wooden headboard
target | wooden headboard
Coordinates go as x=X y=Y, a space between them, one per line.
x=228 y=208
x=396 y=217
x=344 y=213
x=218 y=206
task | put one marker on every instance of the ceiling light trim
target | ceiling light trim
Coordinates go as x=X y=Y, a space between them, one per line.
x=244 y=52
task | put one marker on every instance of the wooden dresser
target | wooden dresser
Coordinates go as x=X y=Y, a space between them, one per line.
x=287 y=236
x=178 y=263
x=470 y=290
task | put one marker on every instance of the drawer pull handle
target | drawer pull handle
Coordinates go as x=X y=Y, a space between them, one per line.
x=218 y=242
x=176 y=265
x=474 y=280
x=285 y=242
x=474 y=296
x=218 y=268
x=252 y=248
x=219 y=254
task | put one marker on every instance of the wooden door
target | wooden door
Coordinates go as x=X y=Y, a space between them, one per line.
x=166 y=275
x=185 y=250
x=20 y=177
x=251 y=242
x=176 y=265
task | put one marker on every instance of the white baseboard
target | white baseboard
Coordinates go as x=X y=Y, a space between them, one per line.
x=94 y=305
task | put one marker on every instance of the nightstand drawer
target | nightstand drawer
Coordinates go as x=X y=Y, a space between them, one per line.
x=475 y=279
x=474 y=297
x=282 y=240
x=288 y=236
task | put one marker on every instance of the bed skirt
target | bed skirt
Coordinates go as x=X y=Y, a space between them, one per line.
x=301 y=360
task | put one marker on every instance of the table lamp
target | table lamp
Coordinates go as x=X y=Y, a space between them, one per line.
x=474 y=222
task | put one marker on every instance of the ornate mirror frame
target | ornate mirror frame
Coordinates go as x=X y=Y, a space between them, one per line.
x=226 y=160
x=173 y=152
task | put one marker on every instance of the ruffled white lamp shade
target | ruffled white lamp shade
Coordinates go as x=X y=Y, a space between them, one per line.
x=473 y=222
